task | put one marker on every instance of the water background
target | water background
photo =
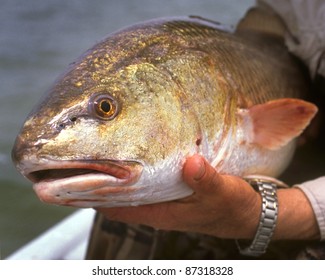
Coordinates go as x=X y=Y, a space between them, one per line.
x=38 y=39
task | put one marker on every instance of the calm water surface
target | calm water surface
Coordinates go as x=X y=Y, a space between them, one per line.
x=38 y=38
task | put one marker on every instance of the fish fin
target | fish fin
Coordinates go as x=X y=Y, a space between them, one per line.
x=262 y=19
x=274 y=124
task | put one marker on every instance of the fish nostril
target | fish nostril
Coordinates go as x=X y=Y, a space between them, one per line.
x=60 y=126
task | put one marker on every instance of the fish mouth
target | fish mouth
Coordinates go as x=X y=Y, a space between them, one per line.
x=86 y=183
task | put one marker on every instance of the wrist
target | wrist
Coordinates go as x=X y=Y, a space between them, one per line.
x=291 y=217
x=249 y=224
x=268 y=218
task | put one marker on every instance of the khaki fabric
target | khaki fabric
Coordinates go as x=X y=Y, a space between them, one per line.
x=118 y=241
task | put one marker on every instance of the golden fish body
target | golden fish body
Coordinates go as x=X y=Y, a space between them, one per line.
x=117 y=126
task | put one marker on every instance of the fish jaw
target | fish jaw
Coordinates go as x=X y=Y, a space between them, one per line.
x=84 y=183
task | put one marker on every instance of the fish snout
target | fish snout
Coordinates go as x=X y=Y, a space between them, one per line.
x=24 y=149
x=19 y=150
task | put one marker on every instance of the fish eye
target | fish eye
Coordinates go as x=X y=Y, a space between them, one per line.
x=103 y=106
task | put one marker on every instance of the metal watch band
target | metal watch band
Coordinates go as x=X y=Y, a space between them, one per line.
x=268 y=218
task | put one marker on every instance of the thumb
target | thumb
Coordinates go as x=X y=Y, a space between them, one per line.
x=199 y=175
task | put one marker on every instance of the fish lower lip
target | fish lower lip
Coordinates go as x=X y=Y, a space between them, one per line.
x=83 y=183
x=67 y=169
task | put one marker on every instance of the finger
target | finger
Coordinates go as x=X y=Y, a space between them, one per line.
x=201 y=176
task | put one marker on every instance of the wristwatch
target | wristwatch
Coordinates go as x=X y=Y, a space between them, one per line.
x=268 y=217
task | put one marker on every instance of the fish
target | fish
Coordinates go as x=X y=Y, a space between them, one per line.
x=116 y=127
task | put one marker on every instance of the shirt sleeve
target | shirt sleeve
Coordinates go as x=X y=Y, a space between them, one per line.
x=315 y=192
x=305 y=38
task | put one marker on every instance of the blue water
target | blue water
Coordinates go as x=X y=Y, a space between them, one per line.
x=38 y=39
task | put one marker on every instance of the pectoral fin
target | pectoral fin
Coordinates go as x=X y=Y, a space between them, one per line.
x=274 y=124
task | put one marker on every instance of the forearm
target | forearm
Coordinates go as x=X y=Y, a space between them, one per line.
x=296 y=218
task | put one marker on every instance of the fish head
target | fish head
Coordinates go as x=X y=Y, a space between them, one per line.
x=103 y=129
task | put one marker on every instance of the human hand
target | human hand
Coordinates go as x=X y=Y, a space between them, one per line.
x=222 y=205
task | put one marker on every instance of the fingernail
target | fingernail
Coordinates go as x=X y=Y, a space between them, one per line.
x=200 y=171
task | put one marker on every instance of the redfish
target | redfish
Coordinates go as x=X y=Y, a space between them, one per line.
x=116 y=128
